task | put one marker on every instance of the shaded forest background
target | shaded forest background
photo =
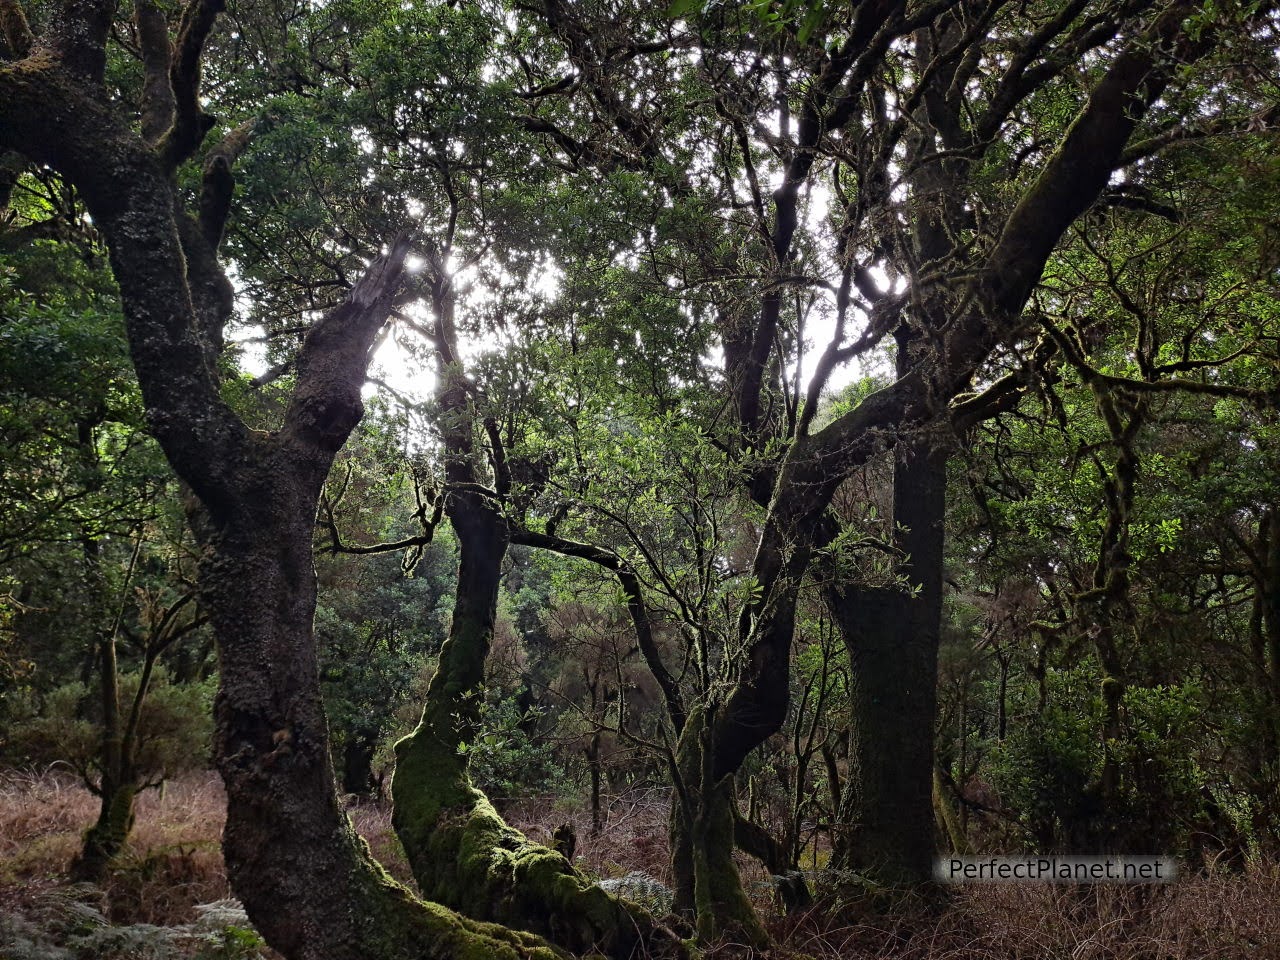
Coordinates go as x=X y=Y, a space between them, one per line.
x=735 y=452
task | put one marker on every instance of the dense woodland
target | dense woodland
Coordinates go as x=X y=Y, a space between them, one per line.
x=850 y=426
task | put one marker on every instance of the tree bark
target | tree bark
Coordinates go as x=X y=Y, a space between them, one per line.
x=707 y=883
x=306 y=879
x=461 y=851
x=116 y=787
x=885 y=823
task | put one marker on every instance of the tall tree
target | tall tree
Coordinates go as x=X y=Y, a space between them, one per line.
x=959 y=142
x=307 y=881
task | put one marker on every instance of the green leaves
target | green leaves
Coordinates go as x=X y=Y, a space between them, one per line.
x=685 y=8
x=805 y=17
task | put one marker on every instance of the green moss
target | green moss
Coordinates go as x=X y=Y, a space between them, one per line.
x=721 y=904
x=106 y=838
x=395 y=925
x=464 y=855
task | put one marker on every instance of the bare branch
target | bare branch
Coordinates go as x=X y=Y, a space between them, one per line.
x=636 y=606
x=1265 y=120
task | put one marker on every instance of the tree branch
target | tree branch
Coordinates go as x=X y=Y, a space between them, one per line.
x=218 y=184
x=989 y=312
x=190 y=123
x=326 y=404
x=636 y=607
x=79 y=33
x=157 y=92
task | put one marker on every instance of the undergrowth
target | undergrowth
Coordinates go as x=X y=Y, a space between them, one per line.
x=168 y=896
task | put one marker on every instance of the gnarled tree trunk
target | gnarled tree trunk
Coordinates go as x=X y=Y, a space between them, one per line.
x=306 y=880
x=461 y=851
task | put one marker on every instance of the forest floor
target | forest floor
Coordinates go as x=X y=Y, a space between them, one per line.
x=168 y=898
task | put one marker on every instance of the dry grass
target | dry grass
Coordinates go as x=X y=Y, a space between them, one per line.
x=1198 y=918
x=174 y=862
x=174 y=857
x=373 y=822
x=632 y=837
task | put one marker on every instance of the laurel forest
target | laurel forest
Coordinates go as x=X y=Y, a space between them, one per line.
x=604 y=479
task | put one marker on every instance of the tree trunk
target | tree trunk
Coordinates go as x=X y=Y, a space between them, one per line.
x=707 y=883
x=307 y=880
x=461 y=851
x=595 y=768
x=107 y=837
x=886 y=823
x=117 y=785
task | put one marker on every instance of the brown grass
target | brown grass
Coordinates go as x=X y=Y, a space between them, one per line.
x=1197 y=918
x=632 y=837
x=174 y=862
x=174 y=857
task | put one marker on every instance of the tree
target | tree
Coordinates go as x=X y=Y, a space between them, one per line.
x=955 y=145
x=308 y=883
x=88 y=535
x=1115 y=466
x=958 y=142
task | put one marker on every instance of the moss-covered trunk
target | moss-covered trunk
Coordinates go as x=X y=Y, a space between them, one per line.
x=461 y=851
x=107 y=837
x=307 y=880
x=707 y=883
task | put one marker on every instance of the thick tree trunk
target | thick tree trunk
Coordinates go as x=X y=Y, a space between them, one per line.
x=1265 y=763
x=306 y=878
x=461 y=851
x=886 y=822
x=683 y=902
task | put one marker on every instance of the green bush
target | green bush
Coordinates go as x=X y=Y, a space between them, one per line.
x=507 y=757
x=65 y=726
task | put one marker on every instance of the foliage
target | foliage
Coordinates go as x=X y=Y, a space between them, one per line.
x=507 y=758
x=694 y=288
x=64 y=726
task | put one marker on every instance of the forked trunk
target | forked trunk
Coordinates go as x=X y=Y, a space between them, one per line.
x=306 y=879
x=707 y=883
x=461 y=851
